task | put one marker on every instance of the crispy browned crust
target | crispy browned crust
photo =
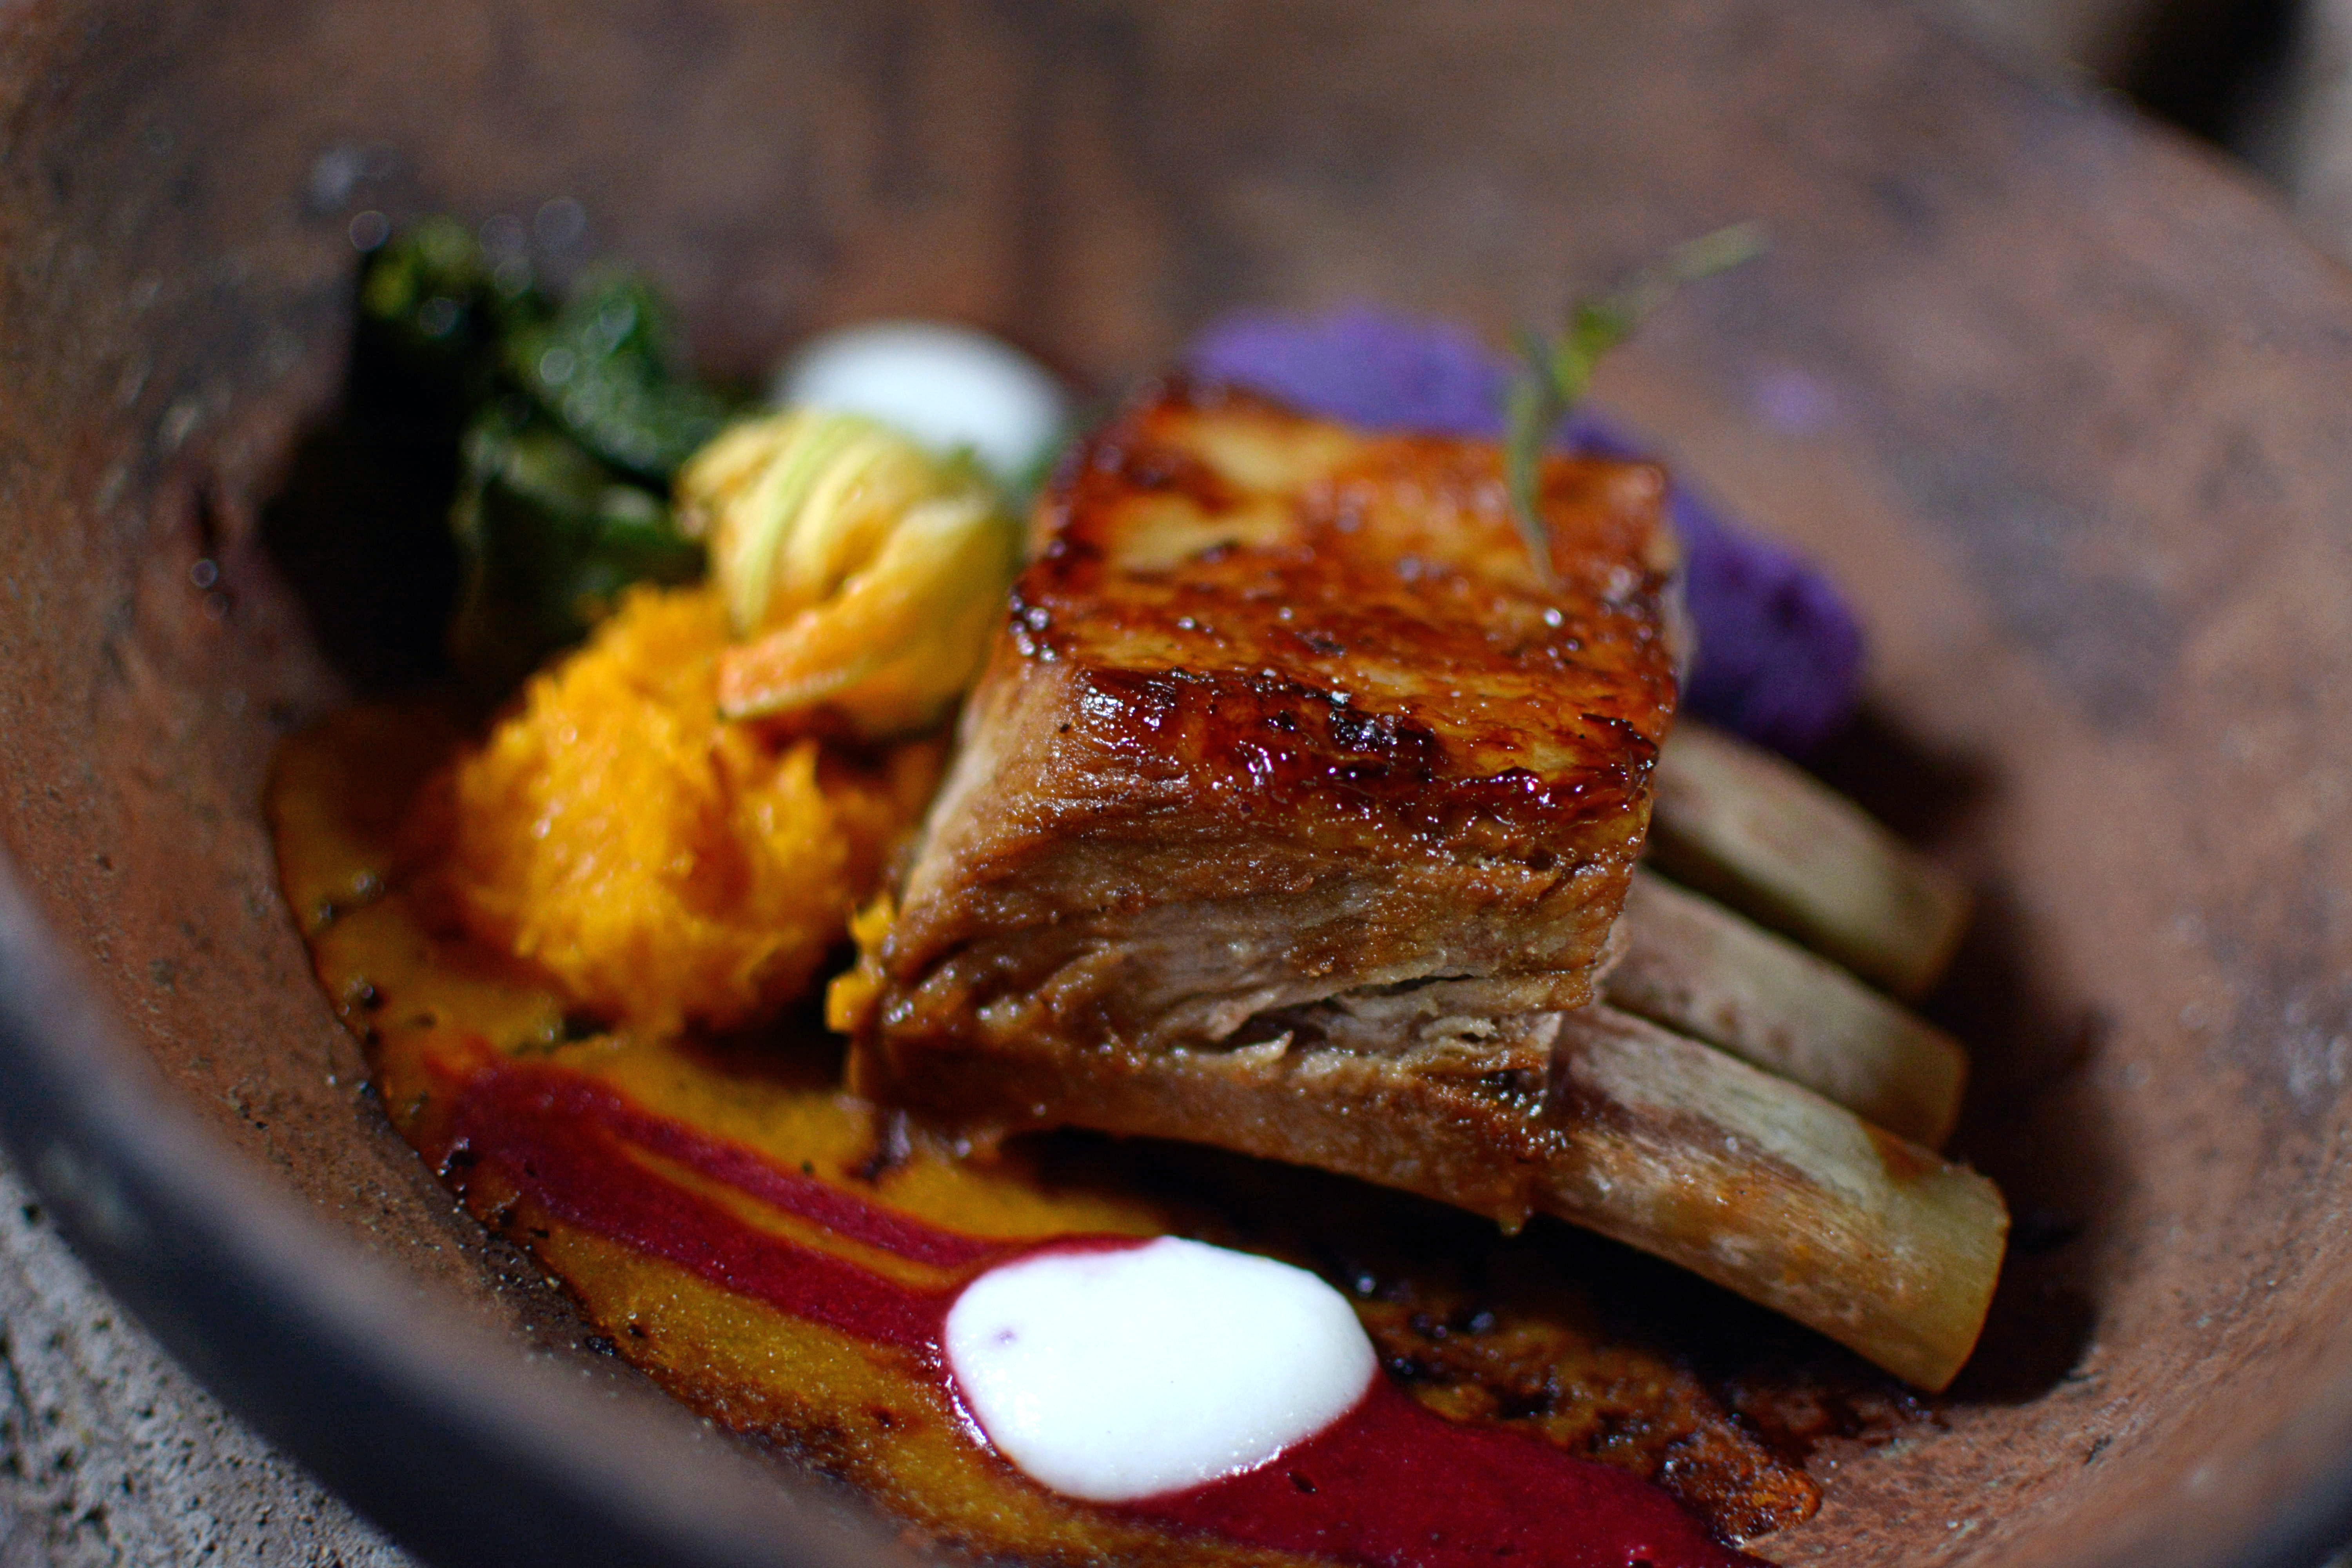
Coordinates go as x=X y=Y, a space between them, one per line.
x=1295 y=816
x=1282 y=713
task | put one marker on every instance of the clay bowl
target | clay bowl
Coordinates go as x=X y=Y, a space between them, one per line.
x=2066 y=404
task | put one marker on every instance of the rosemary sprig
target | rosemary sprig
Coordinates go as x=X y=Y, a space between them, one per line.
x=1554 y=373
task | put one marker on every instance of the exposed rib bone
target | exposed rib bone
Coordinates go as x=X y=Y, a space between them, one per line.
x=1770 y=1190
x=1302 y=850
x=1695 y=966
x=1745 y=826
x=1595 y=1116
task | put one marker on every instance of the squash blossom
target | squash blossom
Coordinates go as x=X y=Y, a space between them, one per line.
x=863 y=577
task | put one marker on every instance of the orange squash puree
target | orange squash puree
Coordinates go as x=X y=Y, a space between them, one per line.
x=662 y=865
x=429 y=1006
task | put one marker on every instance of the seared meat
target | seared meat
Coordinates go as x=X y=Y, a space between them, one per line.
x=1283 y=714
x=1294 y=814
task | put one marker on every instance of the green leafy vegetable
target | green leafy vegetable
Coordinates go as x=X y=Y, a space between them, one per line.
x=436 y=301
x=550 y=534
x=599 y=366
x=574 y=421
x=1554 y=373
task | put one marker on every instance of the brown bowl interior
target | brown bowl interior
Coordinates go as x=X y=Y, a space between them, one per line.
x=2066 y=405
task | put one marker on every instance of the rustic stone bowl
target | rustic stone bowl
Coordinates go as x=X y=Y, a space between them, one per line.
x=2066 y=405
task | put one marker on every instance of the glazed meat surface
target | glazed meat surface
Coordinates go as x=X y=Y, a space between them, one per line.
x=1294 y=816
x=1287 y=737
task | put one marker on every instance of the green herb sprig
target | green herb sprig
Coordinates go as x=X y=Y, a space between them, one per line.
x=1554 y=373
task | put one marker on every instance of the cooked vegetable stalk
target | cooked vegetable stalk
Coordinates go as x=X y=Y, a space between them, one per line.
x=1766 y=838
x=1696 y=967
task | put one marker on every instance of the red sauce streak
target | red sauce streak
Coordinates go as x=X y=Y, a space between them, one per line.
x=1395 y=1484
x=565 y=1140
x=1389 y=1485
x=523 y=1096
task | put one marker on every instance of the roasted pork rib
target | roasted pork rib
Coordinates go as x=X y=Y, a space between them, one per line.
x=1283 y=716
x=1295 y=813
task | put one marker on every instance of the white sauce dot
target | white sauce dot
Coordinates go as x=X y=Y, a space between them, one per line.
x=945 y=387
x=1121 y=1374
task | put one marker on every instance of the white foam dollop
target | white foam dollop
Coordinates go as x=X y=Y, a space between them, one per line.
x=946 y=386
x=1120 y=1374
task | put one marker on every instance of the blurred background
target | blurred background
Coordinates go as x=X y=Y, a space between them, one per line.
x=2270 y=81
